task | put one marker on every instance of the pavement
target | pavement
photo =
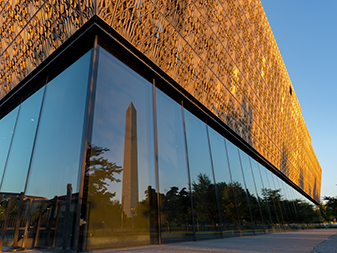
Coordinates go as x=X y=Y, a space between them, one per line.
x=302 y=241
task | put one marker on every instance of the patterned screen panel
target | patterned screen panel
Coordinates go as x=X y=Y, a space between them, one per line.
x=223 y=52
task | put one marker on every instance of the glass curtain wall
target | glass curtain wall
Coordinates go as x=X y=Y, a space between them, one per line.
x=122 y=193
x=246 y=223
x=174 y=184
x=154 y=172
x=224 y=186
x=205 y=209
x=40 y=161
x=203 y=187
x=252 y=195
x=269 y=198
x=260 y=191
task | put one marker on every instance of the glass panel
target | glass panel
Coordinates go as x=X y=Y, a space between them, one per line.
x=122 y=207
x=273 y=196
x=286 y=215
x=57 y=152
x=288 y=204
x=239 y=188
x=16 y=170
x=306 y=210
x=296 y=200
x=6 y=131
x=56 y=155
x=175 y=199
x=260 y=190
x=251 y=192
x=277 y=198
x=202 y=181
x=268 y=199
x=228 y=214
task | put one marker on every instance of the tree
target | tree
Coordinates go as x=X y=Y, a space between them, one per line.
x=331 y=207
x=325 y=212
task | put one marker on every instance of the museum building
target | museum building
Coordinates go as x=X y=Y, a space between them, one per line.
x=140 y=122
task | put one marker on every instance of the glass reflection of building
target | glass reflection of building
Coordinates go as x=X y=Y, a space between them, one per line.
x=101 y=148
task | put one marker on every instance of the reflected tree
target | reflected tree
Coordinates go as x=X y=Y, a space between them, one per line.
x=176 y=209
x=99 y=174
x=204 y=202
x=272 y=198
x=227 y=202
x=307 y=213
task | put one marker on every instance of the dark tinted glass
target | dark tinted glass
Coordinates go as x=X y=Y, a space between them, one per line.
x=206 y=218
x=243 y=207
x=122 y=207
x=56 y=157
x=228 y=214
x=175 y=199
x=20 y=154
x=7 y=124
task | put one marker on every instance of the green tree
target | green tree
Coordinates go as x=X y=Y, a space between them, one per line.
x=331 y=207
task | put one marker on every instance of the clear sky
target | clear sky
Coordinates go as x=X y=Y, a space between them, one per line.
x=306 y=34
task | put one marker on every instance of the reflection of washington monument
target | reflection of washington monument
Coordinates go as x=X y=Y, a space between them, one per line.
x=130 y=166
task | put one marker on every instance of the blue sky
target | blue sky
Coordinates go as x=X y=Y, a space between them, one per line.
x=306 y=34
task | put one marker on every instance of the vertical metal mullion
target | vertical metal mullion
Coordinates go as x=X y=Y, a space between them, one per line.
x=214 y=181
x=156 y=151
x=10 y=144
x=246 y=190
x=188 y=170
x=86 y=138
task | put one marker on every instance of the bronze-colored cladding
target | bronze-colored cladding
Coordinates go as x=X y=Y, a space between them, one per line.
x=222 y=52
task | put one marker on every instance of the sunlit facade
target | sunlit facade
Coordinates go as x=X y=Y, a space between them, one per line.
x=133 y=122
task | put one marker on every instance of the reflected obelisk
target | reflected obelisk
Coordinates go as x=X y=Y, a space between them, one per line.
x=130 y=165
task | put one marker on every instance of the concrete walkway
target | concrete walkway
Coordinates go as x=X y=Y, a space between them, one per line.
x=303 y=241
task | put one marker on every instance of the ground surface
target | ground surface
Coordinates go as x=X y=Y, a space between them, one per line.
x=303 y=241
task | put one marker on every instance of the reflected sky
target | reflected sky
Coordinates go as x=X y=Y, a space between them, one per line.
x=171 y=144
x=6 y=130
x=19 y=157
x=57 y=150
x=247 y=172
x=117 y=87
x=198 y=147
x=219 y=157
